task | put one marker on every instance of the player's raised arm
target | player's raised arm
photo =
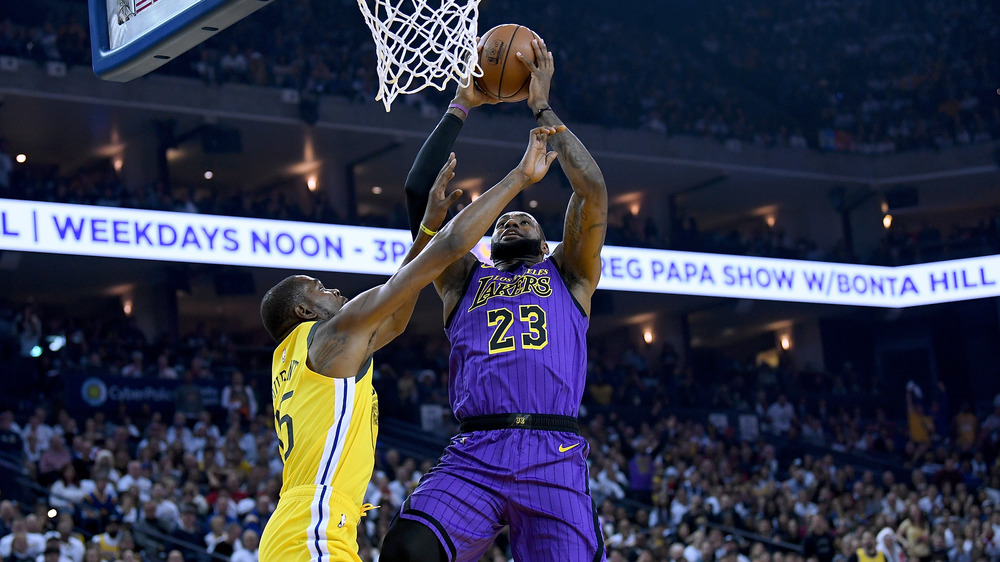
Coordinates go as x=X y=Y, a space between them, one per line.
x=434 y=152
x=579 y=254
x=366 y=312
x=434 y=214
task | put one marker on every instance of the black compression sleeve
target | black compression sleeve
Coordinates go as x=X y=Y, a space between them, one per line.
x=433 y=154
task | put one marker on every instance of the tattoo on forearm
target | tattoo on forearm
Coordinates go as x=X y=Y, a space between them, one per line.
x=573 y=154
x=573 y=221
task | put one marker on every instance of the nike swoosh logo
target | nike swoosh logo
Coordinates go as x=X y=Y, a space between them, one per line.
x=563 y=449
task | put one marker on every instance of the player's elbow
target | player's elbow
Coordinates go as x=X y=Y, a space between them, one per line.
x=393 y=330
x=418 y=185
x=597 y=186
x=451 y=243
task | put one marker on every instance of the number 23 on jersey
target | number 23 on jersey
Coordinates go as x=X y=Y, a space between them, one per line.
x=536 y=336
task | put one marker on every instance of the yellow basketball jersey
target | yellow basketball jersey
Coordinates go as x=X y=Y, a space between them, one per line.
x=326 y=436
x=863 y=556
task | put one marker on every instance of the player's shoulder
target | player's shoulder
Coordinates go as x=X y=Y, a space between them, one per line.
x=296 y=342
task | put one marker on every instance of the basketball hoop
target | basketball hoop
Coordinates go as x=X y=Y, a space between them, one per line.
x=419 y=45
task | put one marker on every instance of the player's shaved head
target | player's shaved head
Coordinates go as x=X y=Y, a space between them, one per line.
x=277 y=309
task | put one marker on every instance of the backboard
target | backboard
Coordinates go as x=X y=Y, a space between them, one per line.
x=130 y=38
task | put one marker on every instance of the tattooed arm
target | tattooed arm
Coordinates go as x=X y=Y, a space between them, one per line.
x=579 y=255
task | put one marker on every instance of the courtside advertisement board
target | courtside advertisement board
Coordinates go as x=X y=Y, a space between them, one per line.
x=182 y=237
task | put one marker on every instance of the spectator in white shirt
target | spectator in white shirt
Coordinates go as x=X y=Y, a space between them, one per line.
x=678 y=507
x=691 y=552
x=216 y=532
x=781 y=414
x=198 y=439
x=205 y=420
x=234 y=65
x=70 y=547
x=405 y=480
x=163 y=368
x=36 y=426
x=67 y=491
x=611 y=473
x=33 y=545
x=134 y=477
x=804 y=507
x=32 y=452
x=135 y=367
x=251 y=542
x=178 y=430
x=603 y=488
x=239 y=397
x=380 y=493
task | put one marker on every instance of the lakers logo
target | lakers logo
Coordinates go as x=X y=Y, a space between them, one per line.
x=492 y=287
x=521 y=420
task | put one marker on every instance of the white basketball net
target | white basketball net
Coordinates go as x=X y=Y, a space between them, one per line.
x=422 y=43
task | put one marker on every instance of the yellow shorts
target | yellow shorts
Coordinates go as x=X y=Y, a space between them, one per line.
x=312 y=523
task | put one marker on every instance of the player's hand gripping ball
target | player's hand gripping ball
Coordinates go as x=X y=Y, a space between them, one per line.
x=506 y=78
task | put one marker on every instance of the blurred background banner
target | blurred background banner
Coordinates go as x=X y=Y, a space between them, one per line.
x=86 y=393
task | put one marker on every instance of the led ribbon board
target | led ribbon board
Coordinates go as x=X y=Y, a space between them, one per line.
x=156 y=235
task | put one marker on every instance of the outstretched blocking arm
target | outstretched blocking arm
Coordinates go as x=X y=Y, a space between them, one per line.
x=579 y=254
x=434 y=152
x=437 y=205
x=352 y=330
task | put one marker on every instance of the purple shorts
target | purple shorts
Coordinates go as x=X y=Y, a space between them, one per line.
x=535 y=481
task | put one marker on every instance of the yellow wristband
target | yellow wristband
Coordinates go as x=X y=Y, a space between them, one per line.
x=427 y=231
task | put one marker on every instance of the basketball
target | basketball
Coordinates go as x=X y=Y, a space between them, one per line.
x=505 y=77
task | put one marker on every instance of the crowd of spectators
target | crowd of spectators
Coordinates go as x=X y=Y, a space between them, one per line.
x=826 y=466
x=838 y=75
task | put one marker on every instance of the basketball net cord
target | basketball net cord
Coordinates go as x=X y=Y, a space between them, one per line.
x=126 y=9
x=418 y=45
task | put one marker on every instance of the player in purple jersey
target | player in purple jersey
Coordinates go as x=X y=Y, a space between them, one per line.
x=517 y=370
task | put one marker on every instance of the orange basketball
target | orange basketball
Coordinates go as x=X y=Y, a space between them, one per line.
x=505 y=77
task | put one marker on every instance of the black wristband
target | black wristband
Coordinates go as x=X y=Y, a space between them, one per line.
x=539 y=113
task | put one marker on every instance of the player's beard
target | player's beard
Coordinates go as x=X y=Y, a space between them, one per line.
x=521 y=248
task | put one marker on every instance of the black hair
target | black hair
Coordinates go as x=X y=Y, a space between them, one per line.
x=277 y=309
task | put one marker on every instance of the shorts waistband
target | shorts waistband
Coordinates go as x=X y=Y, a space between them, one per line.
x=547 y=422
x=332 y=497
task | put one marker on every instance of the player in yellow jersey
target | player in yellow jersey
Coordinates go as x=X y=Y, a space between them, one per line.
x=326 y=411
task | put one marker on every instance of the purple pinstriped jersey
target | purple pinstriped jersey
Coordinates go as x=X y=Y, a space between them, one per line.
x=518 y=344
